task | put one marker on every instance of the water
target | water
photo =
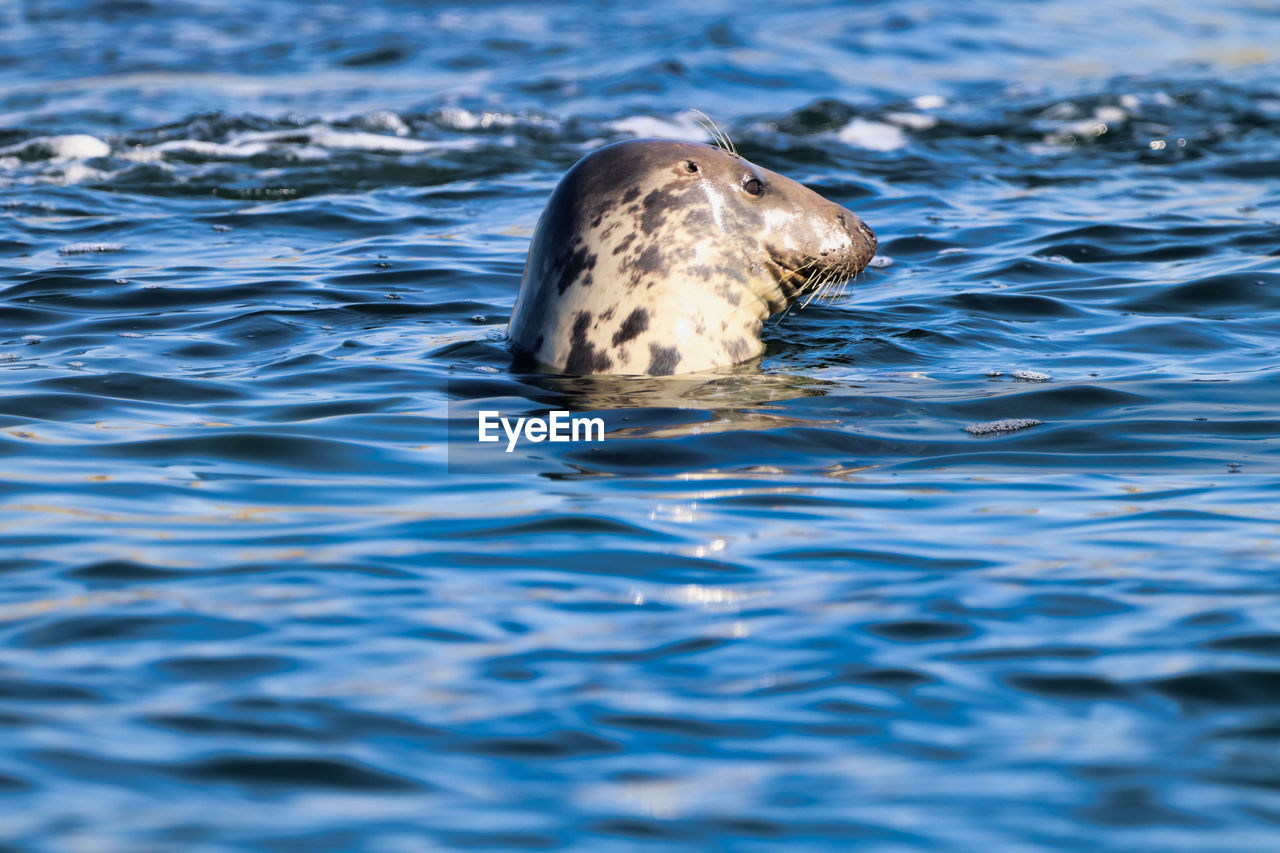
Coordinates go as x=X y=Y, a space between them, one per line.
x=982 y=555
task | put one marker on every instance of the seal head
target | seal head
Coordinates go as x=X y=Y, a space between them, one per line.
x=655 y=257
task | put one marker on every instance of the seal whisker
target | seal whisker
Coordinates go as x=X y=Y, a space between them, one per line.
x=807 y=265
x=835 y=280
x=722 y=139
x=820 y=282
x=815 y=289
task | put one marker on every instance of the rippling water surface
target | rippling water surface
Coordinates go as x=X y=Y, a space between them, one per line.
x=982 y=556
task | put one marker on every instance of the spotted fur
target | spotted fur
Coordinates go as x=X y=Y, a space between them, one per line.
x=643 y=265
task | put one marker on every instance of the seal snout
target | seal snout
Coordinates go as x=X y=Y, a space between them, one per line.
x=868 y=236
x=860 y=235
x=846 y=244
x=839 y=246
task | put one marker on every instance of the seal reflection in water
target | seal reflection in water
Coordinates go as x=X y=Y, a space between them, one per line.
x=655 y=257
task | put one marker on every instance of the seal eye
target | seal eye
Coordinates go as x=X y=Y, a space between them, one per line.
x=690 y=166
x=753 y=186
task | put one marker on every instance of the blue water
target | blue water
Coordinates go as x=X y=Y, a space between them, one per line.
x=257 y=261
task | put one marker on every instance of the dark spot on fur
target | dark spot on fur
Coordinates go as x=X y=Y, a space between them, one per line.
x=572 y=264
x=697 y=219
x=607 y=314
x=650 y=260
x=583 y=355
x=595 y=223
x=637 y=321
x=737 y=349
x=630 y=195
x=729 y=295
x=626 y=242
x=731 y=273
x=537 y=343
x=651 y=265
x=656 y=205
x=663 y=360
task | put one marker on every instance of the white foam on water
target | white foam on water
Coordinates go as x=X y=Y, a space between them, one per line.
x=460 y=119
x=1133 y=101
x=90 y=248
x=198 y=148
x=1001 y=426
x=75 y=173
x=1104 y=120
x=383 y=120
x=323 y=137
x=912 y=121
x=872 y=135
x=1110 y=115
x=79 y=146
x=315 y=142
x=684 y=127
x=327 y=137
x=928 y=102
x=1031 y=376
x=74 y=146
x=1061 y=111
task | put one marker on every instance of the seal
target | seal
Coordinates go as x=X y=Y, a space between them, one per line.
x=655 y=257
